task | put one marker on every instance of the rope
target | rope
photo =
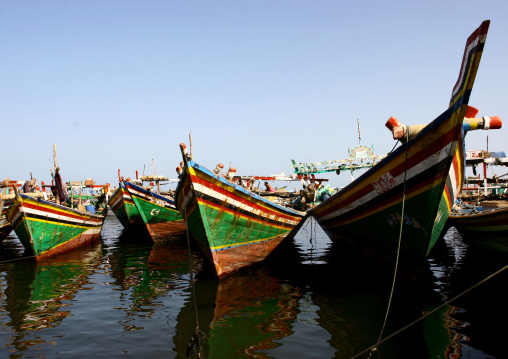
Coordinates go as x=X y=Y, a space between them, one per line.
x=197 y=335
x=399 y=242
x=447 y=302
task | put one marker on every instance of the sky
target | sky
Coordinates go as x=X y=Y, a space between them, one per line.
x=119 y=84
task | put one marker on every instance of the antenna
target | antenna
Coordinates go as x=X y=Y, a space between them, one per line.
x=359 y=135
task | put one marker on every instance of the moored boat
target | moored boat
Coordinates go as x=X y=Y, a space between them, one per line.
x=233 y=226
x=485 y=225
x=125 y=210
x=389 y=213
x=47 y=228
x=157 y=211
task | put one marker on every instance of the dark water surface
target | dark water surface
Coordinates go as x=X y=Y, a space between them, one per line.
x=126 y=299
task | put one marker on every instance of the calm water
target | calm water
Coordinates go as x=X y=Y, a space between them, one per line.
x=125 y=299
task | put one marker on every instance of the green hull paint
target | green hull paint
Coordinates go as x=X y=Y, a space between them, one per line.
x=151 y=213
x=42 y=237
x=45 y=228
x=126 y=211
x=129 y=216
x=380 y=232
x=440 y=223
x=223 y=229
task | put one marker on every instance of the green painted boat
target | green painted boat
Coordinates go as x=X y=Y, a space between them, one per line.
x=125 y=210
x=158 y=212
x=233 y=226
x=46 y=229
x=390 y=213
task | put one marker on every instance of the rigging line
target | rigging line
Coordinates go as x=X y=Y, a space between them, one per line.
x=197 y=330
x=399 y=242
x=446 y=302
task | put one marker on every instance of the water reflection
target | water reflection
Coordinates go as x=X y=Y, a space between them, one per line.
x=242 y=315
x=39 y=295
x=311 y=298
x=145 y=271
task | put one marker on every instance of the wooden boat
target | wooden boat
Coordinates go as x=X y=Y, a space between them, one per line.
x=5 y=226
x=486 y=225
x=125 y=210
x=6 y=199
x=482 y=220
x=158 y=212
x=233 y=226
x=400 y=197
x=46 y=228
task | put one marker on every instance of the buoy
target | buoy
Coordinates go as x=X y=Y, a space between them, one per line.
x=218 y=168
x=231 y=173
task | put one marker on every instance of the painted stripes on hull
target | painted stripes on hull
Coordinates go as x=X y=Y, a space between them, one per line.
x=48 y=229
x=159 y=214
x=421 y=177
x=488 y=221
x=51 y=213
x=212 y=192
x=150 y=196
x=120 y=198
x=233 y=227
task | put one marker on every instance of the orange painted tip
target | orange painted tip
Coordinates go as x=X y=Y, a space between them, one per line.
x=392 y=123
x=495 y=122
x=181 y=163
x=220 y=165
x=471 y=112
x=182 y=145
x=232 y=169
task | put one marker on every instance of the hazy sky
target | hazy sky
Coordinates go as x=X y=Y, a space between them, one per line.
x=116 y=83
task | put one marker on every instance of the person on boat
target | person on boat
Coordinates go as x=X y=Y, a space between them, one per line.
x=269 y=188
x=309 y=192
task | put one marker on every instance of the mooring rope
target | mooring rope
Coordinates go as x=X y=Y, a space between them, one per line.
x=446 y=302
x=399 y=242
x=197 y=335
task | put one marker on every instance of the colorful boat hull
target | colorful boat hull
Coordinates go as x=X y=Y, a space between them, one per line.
x=46 y=229
x=158 y=213
x=232 y=226
x=125 y=210
x=401 y=199
x=487 y=228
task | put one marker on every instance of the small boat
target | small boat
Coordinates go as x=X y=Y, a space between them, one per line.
x=47 y=228
x=5 y=226
x=125 y=210
x=485 y=225
x=389 y=213
x=6 y=199
x=233 y=226
x=157 y=211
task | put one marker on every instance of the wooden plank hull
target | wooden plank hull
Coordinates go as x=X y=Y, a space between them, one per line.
x=46 y=229
x=487 y=228
x=125 y=210
x=233 y=227
x=493 y=221
x=413 y=179
x=158 y=213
